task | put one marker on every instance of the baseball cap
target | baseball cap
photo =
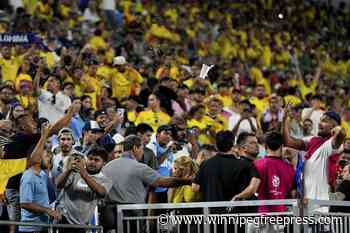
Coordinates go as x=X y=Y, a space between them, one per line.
x=100 y=113
x=333 y=115
x=165 y=128
x=65 y=130
x=119 y=60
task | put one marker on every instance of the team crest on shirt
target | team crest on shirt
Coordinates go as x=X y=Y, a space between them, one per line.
x=276 y=181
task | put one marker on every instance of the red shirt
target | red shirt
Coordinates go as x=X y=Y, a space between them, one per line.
x=277 y=180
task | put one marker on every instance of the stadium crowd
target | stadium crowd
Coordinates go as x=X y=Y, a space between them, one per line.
x=107 y=105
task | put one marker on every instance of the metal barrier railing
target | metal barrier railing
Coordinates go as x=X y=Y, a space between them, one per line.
x=51 y=227
x=332 y=220
x=206 y=217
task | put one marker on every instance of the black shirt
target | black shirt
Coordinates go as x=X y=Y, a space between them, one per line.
x=149 y=158
x=343 y=188
x=21 y=146
x=224 y=176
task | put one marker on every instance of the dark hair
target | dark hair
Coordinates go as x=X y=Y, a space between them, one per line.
x=143 y=128
x=195 y=109
x=273 y=140
x=242 y=137
x=131 y=130
x=224 y=141
x=99 y=151
x=316 y=97
x=131 y=141
x=83 y=97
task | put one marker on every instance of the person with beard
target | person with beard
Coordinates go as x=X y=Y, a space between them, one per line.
x=83 y=184
x=7 y=98
x=21 y=146
x=318 y=151
x=66 y=142
x=34 y=195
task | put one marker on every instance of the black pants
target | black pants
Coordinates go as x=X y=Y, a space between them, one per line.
x=69 y=230
x=109 y=219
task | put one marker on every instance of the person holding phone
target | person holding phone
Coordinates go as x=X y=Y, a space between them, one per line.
x=83 y=185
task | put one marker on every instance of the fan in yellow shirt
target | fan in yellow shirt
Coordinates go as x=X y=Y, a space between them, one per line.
x=206 y=125
x=184 y=167
x=153 y=116
x=308 y=84
x=214 y=110
x=257 y=75
x=9 y=64
x=24 y=88
x=292 y=97
x=260 y=100
x=97 y=41
x=90 y=85
x=125 y=80
x=161 y=32
x=224 y=94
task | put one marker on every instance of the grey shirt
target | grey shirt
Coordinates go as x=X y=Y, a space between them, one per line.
x=130 y=179
x=77 y=201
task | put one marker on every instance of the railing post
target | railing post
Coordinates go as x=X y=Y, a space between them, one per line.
x=120 y=223
x=205 y=217
x=297 y=212
x=306 y=213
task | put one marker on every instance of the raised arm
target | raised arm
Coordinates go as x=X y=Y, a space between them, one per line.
x=36 y=82
x=289 y=141
x=35 y=158
x=65 y=120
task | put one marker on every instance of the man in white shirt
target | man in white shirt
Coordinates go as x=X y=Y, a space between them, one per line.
x=330 y=137
x=52 y=103
x=243 y=121
x=313 y=113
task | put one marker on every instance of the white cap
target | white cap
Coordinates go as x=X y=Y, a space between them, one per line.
x=119 y=60
x=118 y=138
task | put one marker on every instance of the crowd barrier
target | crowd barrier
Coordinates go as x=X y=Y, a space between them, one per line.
x=233 y=217
x=223 y=217
x=51 y=227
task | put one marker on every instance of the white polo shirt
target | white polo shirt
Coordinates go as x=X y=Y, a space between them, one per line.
x=50 y=111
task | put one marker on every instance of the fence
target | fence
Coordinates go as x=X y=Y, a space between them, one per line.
x=233 y=217
x=51 y=227
x=340 y=222
x=224 y=217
